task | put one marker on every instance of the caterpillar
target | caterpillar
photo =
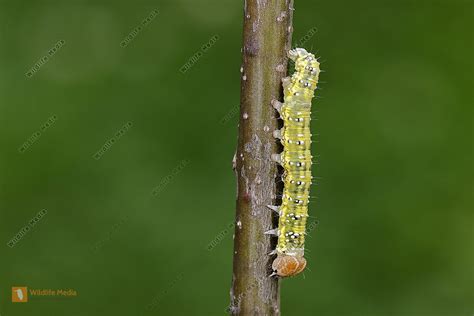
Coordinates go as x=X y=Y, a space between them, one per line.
x=296 y=161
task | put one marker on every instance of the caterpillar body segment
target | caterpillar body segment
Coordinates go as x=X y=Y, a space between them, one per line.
x=296 y=161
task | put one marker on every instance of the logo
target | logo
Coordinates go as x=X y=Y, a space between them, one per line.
x=19 y=294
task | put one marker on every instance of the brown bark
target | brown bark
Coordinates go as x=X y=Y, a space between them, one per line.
x=266 y=41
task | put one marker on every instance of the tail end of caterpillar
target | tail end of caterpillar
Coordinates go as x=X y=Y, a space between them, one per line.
x=288 y=266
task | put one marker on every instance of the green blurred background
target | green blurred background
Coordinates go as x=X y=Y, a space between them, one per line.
x=396 y=233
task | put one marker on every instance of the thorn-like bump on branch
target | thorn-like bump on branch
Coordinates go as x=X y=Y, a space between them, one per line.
x=272 y=232
x=234 y=162
x=274 y=208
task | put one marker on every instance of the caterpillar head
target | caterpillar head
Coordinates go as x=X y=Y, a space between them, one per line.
x=305 y=63
x=287 y=266
x=297 y=53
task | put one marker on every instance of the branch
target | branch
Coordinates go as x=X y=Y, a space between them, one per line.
x=266 y=41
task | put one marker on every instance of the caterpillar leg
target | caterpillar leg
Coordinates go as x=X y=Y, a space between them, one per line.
x=277 y=105
x=286 y=82
x=276 y=158
x=273 y=252
x=278 y=133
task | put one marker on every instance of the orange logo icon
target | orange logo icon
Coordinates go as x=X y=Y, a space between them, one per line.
x=19 y=294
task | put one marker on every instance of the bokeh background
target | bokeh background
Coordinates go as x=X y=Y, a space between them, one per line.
x=395 y=150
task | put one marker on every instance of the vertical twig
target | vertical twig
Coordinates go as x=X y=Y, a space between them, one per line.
x=266 y=41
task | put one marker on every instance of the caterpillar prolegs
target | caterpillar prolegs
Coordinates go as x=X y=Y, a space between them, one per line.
x=296 y=162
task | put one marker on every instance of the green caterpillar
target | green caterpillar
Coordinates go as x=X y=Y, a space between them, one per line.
x=296 y=160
